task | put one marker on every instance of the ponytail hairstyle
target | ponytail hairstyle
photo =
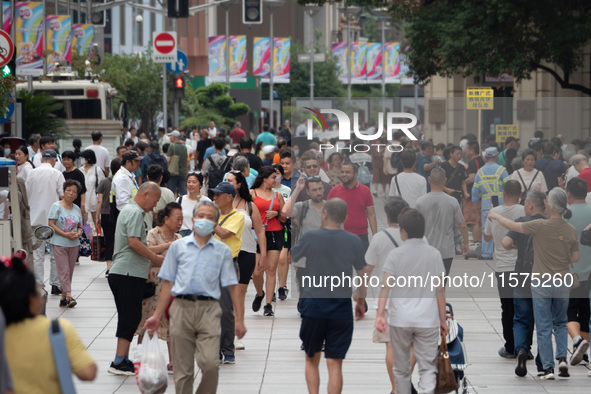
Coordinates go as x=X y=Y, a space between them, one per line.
x=242 y=191
x=558 y=200
x=17 y=286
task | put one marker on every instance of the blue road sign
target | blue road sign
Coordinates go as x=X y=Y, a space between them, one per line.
x=9 y=111
x=182 y=61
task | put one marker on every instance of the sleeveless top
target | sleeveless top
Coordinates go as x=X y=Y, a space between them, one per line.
x=263 y=205
x=249 y=244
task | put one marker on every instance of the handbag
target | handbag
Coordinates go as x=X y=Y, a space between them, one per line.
x=86 y=229
x=173 y=167
x=576 y=282
x=446 y=378
x=61 y=358
x=85 y=246
x=98 y=246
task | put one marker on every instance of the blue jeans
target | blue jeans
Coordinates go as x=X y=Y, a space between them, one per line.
x=522 y=319
x=550 y=306
x=487 y=247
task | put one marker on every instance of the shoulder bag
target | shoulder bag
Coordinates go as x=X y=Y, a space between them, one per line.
x=61 y=358
x=173 y=167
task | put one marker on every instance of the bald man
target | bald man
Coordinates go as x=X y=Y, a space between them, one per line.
x=129 y=271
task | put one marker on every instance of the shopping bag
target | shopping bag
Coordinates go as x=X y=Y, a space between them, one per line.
x=153 y=377
x=85 y=246
x=86 y=229
x=446 y=379
x=98 y=246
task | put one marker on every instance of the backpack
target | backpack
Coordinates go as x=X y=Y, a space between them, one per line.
x=216 y=174
x=161 y=161
x=364 y=174
x=395 y=162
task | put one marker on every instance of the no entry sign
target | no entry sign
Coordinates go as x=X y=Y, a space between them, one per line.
x=164 y=47
x=6 y=48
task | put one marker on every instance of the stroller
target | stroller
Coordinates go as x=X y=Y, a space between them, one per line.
x=456 y=350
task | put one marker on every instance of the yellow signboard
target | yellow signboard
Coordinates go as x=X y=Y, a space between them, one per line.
x=502 y=131
x=479 y=98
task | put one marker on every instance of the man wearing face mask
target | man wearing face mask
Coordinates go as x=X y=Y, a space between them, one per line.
x=194 y=270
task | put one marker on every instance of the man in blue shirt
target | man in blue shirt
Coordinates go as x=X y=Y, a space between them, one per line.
x=266 y=137
x=551 y=168
x=327 y=318
x=194 y=270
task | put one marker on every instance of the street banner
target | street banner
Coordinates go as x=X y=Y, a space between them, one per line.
x=7 y=16
x=374 y=62
x=358 y=62
x=82 y=39
x=504 y=131
x=29 y=38
x=282 y=59
x=217 y=58
x=59 y=40
x=339 y=52
x=392 y=52
x=404 y=73
x=479 y=97
x=261 y=57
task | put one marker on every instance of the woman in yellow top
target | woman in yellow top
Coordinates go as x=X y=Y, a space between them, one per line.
x=28 y=347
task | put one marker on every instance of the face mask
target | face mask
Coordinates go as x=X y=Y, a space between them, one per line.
x=296 y=152
x=7 y=151
x=203 y=227
x=82 y=162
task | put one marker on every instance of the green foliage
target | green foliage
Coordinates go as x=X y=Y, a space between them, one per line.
x=450 y=37
x=39 y=114
x=5 y=89
x=210 y=102
x=138 y=81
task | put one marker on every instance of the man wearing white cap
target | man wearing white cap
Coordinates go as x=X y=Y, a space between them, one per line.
x=488 y=187
x=177 y=164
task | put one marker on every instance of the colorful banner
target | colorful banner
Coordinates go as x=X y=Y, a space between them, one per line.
x=374 y=62
x=59 y=40
x=339 y=52
x=29 y=38
x=82 y=37
x=7 y=16
x=282 y=59
x=358 y=62
x=404 y=77
x=217 y=58
x=261 y=56
x=392 y=69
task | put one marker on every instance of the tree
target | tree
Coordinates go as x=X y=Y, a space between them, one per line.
x=138 y=81
x=40 y=109
x=450 y=37
x=210 y=102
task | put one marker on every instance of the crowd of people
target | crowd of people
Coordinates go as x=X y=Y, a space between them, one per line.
x=190 y=217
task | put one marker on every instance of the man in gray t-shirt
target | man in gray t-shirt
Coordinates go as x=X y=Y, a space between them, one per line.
x=442 y=212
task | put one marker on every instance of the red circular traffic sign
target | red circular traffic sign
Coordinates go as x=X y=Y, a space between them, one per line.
x=6 y=48
x=164 y=43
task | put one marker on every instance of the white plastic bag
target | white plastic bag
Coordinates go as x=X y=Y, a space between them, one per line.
x=153 y=377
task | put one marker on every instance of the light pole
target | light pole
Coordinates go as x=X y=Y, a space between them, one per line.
x=138 y=21
x=349 y=12
x=271 y=6
x=226 y=6
x=312 y=10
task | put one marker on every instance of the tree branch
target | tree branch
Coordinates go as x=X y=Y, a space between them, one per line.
x=563 y=82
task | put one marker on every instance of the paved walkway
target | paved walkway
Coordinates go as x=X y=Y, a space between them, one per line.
x=274 y=363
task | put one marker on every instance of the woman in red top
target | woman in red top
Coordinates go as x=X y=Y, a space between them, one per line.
x=270 y=204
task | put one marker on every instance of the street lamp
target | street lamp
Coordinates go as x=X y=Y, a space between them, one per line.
x=136 y=34
x=312 y=10
x=271 y=6
x=226 y=6
x=349 y=12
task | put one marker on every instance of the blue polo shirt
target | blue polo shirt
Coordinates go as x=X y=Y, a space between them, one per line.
x=198 y=271
x=552 y=169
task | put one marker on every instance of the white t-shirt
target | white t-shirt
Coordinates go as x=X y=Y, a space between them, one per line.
x=102 y=156
x=284 y=191
x=412 y=186
x=539 y=181
x=58 y=163
x=571 y=173
x=249 y=244
x=505 y=259
x=44 y=187
x=187 y=206
x=413 y=305
x=377 y=252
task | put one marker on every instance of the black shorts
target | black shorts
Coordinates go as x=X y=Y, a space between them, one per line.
x=128 y=292
x=578 y=306
x=275 y=240
x=246 y=264
x=335 y=334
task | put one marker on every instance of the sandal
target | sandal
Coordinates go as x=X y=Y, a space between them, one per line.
x=64 y=303
x=71 y=303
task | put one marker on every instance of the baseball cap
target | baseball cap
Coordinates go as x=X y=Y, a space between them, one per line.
x=268 y=149
x=131 y=155
x=49 y=154
x=510 y=139
x=491 y=152
x=224 y=187
x=175 y=133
